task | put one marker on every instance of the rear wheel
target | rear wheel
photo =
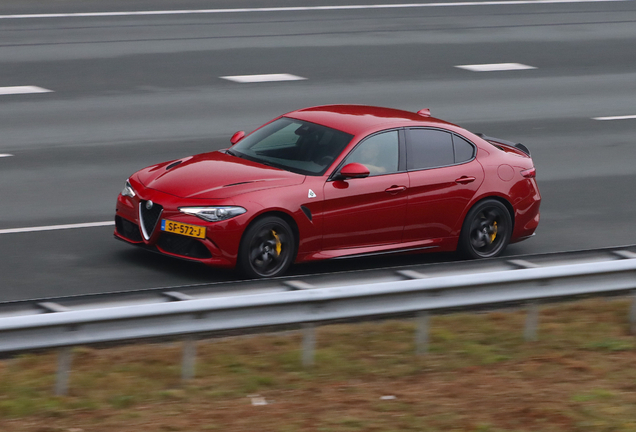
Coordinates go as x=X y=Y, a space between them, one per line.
x=267 y=248
x=486 y=231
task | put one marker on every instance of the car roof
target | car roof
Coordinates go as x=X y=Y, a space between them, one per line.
x=363 y=119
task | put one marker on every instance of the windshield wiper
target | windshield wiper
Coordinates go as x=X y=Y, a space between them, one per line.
x=252 y=159
x=237 y=154
x=260 y=161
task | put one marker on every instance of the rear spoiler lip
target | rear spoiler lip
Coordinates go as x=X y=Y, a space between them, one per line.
x=518 y=146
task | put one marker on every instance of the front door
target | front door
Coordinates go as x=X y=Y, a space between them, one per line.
x=368 y=211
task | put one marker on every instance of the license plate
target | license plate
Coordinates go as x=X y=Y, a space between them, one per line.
x=183 y=229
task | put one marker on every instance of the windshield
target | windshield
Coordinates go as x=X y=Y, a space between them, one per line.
x=293 y=145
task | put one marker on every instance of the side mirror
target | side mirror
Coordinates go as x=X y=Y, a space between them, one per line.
x=237 y=137
x=354 y=170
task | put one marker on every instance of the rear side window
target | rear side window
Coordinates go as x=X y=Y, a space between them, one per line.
x=431 y=148
x=464 y=151
x=428 y=148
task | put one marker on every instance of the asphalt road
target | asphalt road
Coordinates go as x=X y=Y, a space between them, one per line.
x=129 y=91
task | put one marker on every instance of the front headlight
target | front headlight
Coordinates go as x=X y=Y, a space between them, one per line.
x=128 y=190
x=213 y=214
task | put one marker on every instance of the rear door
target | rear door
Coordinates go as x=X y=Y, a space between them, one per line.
x=444 y=176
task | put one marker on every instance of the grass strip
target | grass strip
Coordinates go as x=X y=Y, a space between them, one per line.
x=480 y=375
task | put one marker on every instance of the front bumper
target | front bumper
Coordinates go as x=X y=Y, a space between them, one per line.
x=218 y=249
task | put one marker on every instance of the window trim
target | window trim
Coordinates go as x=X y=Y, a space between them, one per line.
x=453 y=143
x=401 y=153
x=453 y=134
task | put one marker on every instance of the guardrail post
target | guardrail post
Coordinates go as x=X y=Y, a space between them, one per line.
x=64 y=356
x=309 y=344
x=421 y=333
x=532 y=322
x=189 y=358
x=632 y=315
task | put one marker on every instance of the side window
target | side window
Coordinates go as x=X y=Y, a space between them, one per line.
x=464 y=151
x=428 y=148
x=379 y=153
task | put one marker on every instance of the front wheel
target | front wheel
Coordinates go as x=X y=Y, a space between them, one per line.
x=486 y=230
x=267 y=248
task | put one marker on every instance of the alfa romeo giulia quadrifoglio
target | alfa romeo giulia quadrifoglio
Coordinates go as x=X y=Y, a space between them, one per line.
x=334 y=182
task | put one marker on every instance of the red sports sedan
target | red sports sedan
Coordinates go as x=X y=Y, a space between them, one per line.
x=334 y=182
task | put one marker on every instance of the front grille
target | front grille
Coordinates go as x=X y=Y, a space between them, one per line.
x=127 y=229
x=184 y=246
x=148 y=217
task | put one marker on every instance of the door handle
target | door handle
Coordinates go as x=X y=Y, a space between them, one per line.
x=395 y=189
x=465 y=180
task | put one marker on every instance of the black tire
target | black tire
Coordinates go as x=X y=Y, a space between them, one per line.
x=486 y=230
x=267 y=249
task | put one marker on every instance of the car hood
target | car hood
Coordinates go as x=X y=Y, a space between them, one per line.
x=214 y=175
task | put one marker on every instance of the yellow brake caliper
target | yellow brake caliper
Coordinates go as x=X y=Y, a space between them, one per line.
x=279 y=245
x=492 y=236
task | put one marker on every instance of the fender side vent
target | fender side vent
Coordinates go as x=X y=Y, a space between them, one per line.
x=307 y=212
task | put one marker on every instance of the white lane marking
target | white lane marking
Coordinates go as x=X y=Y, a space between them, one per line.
x=56 y=227
x=305 y=8
x=492 y=67
x=13 y=90
x=262 y=78
x=5 y=155
x=625 y=117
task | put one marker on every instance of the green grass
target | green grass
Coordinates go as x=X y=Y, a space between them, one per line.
x=479 y=375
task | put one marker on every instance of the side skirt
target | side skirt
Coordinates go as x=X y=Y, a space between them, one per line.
x=438 y=245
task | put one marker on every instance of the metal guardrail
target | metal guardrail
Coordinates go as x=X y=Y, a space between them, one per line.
x=308 y=306
x=429 y=265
